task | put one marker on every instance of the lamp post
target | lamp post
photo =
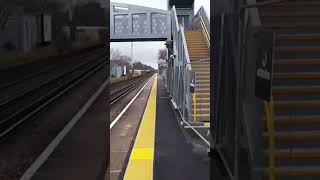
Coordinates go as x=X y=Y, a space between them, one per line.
x=71 y=20
x=132 y=60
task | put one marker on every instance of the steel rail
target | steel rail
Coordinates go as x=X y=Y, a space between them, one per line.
x=16 y=119
x=56 y=78
x=47 y=69
x=117 y=95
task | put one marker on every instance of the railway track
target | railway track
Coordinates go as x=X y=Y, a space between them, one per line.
x=17 y=109
x=49 y=72
x=123 y=88
x=55 y=65
x=20 y=94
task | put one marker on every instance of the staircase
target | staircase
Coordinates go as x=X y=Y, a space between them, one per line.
x=296 y=88
x=198 y=50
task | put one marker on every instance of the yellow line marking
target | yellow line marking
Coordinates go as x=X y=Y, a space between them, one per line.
x=140 y=165
x=142 y=154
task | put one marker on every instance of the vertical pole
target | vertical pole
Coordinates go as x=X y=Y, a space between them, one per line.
x=270 y=125
x=71 y=19
x=239 y=85
x=132 y=61
x=238 y=113
x=194 y=107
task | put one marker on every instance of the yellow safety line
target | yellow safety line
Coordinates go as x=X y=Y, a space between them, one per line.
x=140 y=165
x=194 y=107
x=269 y=108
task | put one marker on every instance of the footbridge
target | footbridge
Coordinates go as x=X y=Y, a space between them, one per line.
x=187 y=39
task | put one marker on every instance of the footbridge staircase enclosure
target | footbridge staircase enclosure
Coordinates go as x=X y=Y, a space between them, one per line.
x=256 y=139
x=188 y=74
x=188 y=41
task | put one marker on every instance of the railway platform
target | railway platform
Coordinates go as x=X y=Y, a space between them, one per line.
x=80 y=150
x=148 y=142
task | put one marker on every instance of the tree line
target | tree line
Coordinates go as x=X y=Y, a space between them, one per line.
x=117 y=58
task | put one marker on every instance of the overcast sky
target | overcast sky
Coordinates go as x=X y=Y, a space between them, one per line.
x=147 y=52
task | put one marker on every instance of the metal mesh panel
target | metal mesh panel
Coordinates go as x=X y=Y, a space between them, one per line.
x=121 y=24
x=139 y=24
x=130 y=23
x=159 y=23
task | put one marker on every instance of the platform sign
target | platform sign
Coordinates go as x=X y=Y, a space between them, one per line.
x=264 y=64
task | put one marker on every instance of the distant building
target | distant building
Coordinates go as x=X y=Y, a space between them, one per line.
x=25 y=31
x=138 y=72
x=89 y=21
x=118 y=71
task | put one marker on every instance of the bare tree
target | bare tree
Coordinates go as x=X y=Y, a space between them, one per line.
x=115 y=54
x=117 y=58
x=123 y=60
x=138 y=65
x=163 y=54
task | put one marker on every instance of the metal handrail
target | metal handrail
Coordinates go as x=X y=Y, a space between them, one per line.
x=181 y=30
x=175 y=16
x=201 y=60
x=202 y=18
x=181 y=92
x=206 y=33
x=185 y=47
x=269 y=110
x=201 y=12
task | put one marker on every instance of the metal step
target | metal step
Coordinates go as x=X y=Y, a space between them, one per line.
x=198 y=50
x=300 y=62
x=298 y=4
x=297 y=49
x=297 y=120
x=292 y=26
x=203 y=81
x=202 y=110
x=197 y=58
x=203 y=94
x=202 y=105
x=202 y=85
x=201 y=99
x=201 y=116
x=202 y=73
x=297 y=76
x=295 y=136
x=295 y=37
x=297 y=172
x=288 y=14
x=296 y=90
x=297 y=105
x=297 y=153
x=202 y=90
x=297 y=65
